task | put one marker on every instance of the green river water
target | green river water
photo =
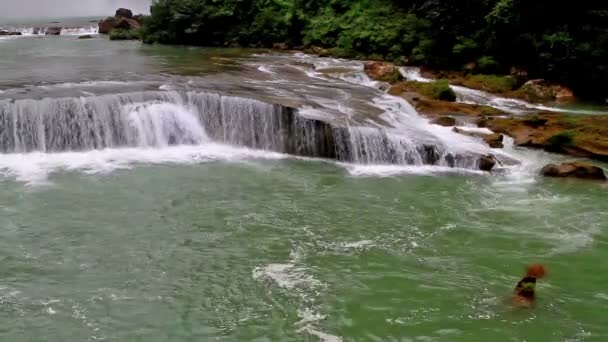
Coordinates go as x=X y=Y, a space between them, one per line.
x=264 y=247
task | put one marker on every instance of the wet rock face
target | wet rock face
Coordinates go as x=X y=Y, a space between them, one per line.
x=53 y=31
x=446 y=121
x=487 y=163
x=574 y=170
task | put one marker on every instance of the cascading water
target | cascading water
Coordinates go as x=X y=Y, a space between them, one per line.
x=474 y=96
x=42 y=31
x=164 y=118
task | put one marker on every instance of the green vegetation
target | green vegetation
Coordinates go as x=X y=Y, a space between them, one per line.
x=491 y=83
x=438 y=90
x=561 y=139
x=559 y=41
x=120 y=34
x=441 y=91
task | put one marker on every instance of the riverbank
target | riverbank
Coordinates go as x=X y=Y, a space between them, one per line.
x=577 y=135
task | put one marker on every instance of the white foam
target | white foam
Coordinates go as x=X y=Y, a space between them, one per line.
x=295 y=279
x=265 y=69
x=357 y=170
x=78 y=31
x=36 y=167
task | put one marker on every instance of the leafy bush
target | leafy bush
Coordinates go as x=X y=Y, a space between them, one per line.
x=561 y=139
x=441 y=91
x=121 y=34
x=552 y=40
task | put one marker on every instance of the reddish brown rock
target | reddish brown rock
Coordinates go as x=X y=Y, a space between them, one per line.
x=574 y=170
x=380 y=70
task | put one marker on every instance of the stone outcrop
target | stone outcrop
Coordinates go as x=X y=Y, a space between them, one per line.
x=382 y=71
x=494 y=140
x=584 y=136
x=124 y=12
x=487 y=163
x=123 y=20
x=542 y=90
x=445 y=121
x=574 y=170
x=7 y=33
x=53 y=31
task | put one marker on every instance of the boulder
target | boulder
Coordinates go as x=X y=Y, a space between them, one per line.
x=139 y=18
x=110 y=23
x=7 y=33
x=494 y=140
x=53 y=31
x=446 y=121
x=574 y=170
x=106 y=25
x=382 y=71
x=123 y=12
x=486 y=163
x=280 y=46
x=543 y=90
x=564 y=94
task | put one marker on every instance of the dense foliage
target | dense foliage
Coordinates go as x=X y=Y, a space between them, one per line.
x=562 y=41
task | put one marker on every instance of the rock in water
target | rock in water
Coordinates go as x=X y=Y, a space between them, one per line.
x=123 y=20
x=86 y=36
x=6 y=33
x=382 y=71
x=574 y=170
x=53 y=31
x=124 y=12
x=486 y=163
x=493 y=140
x=446 y=121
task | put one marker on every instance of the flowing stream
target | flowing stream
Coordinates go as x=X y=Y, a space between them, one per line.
x=175 y=194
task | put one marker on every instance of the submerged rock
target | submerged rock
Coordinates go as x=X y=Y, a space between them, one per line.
x=86 y=36
x=574 y=170
x=446 y=121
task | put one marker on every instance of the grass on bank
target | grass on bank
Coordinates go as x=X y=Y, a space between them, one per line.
x=437 y=90
x=121 y=34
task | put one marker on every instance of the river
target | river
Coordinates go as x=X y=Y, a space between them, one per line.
x=154 y=193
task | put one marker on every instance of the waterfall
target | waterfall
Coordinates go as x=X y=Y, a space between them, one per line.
x=163 y=118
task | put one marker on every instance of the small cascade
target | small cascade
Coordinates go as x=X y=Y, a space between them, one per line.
x=64 y=31
x=163 y=118
x=509 y=105
x=79 y=31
